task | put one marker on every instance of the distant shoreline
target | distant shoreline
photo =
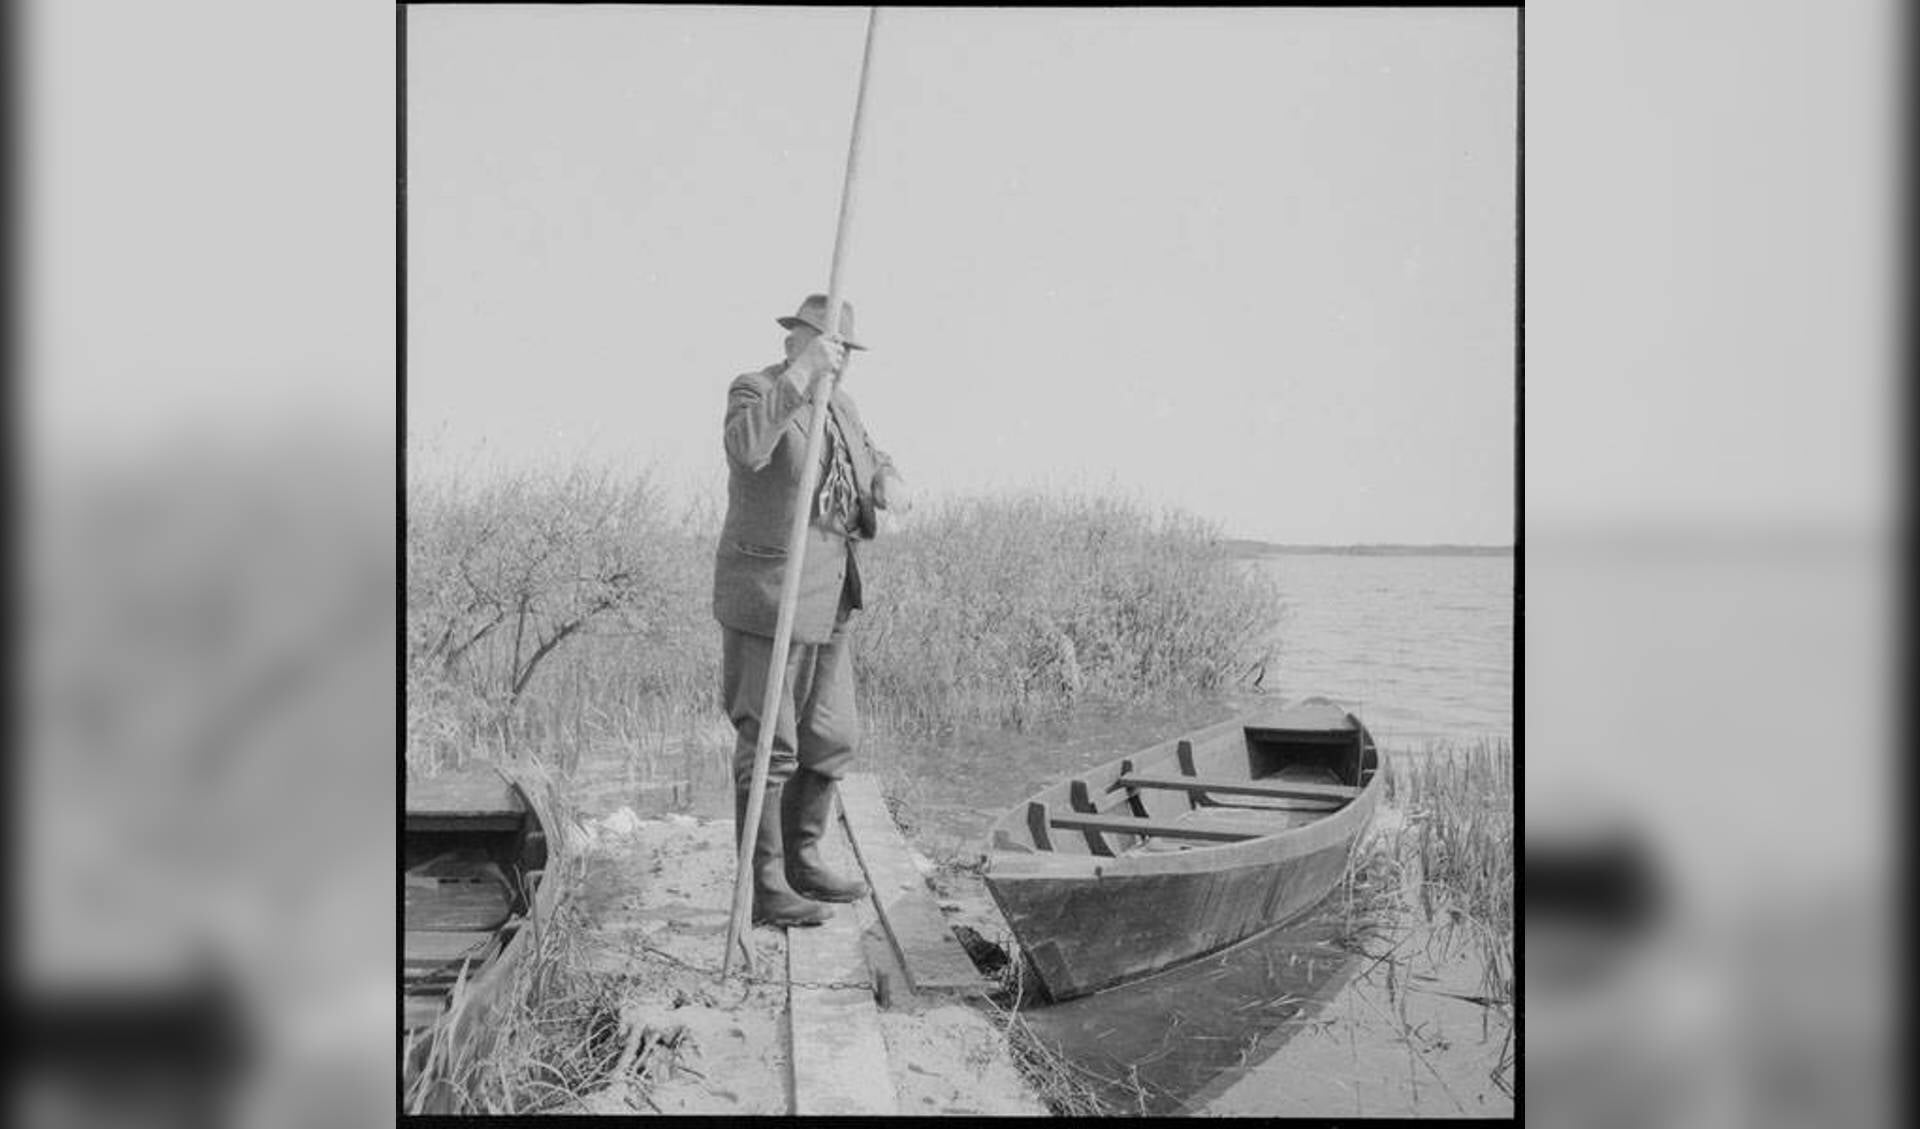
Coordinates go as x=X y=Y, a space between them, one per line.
x=1243 y=548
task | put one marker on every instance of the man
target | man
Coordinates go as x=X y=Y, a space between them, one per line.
x=815 y=734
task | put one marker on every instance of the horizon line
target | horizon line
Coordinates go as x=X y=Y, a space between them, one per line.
x=1351 y=545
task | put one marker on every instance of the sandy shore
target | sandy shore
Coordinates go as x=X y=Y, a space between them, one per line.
x=655 y=897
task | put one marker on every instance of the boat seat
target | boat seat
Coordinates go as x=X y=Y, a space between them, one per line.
x=475 y=798
x=457 y=903
x=421 y=1010
x=1247 y=822
x=479 y=786
x=1208 y=830
x=1269 y=788
x=460 y=860
x=464 y=822
x=432 y=953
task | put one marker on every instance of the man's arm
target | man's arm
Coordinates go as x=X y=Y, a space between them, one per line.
x=759 y=408
x=757 y=412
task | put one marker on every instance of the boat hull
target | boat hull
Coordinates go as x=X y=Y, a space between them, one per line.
x=1140 y=925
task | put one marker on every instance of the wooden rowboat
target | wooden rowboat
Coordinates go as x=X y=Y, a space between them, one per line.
x=475 y=852
x=1184 y=848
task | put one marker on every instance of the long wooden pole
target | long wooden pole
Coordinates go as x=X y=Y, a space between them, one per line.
x=822 y=397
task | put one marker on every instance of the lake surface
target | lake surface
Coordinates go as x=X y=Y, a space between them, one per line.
x=1421 y=648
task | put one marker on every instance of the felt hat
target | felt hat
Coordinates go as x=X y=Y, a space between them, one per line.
x=813 y=314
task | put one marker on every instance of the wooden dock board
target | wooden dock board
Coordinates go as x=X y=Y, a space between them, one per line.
x=837 y=1051
x=932 y=956
x=455 y=904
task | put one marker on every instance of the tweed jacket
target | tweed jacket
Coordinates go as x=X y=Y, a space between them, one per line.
x=766 y=441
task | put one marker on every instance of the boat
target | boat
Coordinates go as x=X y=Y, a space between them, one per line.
x=1184 y=848
x=473 y=865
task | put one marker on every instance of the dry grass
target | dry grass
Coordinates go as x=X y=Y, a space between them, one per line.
x=1010 y=608
x=1000 y=609
x=1443 y=874
x=1458 y=838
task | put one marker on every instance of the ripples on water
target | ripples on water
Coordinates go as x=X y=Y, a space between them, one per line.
x=1421 y=648
x=1169 y=1043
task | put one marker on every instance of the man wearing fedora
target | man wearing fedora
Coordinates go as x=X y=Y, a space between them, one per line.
x=818 y=727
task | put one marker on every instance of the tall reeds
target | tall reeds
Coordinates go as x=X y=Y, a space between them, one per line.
x=999 y=609
x=1440 y=867
x=1458 y=839
x=1008 y=608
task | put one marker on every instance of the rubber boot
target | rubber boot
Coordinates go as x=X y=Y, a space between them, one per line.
x=807 y=813
x=774 y=902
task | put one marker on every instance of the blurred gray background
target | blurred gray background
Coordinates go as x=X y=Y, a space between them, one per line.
x=207 y=413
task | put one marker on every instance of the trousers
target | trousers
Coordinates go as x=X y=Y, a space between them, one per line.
x=818 y=726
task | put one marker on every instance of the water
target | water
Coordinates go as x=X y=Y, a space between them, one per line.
x=1421 y=648
x=1166 y=1044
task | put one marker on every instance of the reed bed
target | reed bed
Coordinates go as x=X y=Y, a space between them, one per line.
x=1439 y=868
x=1009 y=608
x=1458 y=837
x=998 y=609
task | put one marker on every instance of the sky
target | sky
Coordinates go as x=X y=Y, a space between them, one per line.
x=1256 y=264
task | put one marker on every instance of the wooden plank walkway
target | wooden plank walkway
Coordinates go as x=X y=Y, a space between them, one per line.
x=837 y=1051
x=932 y=956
